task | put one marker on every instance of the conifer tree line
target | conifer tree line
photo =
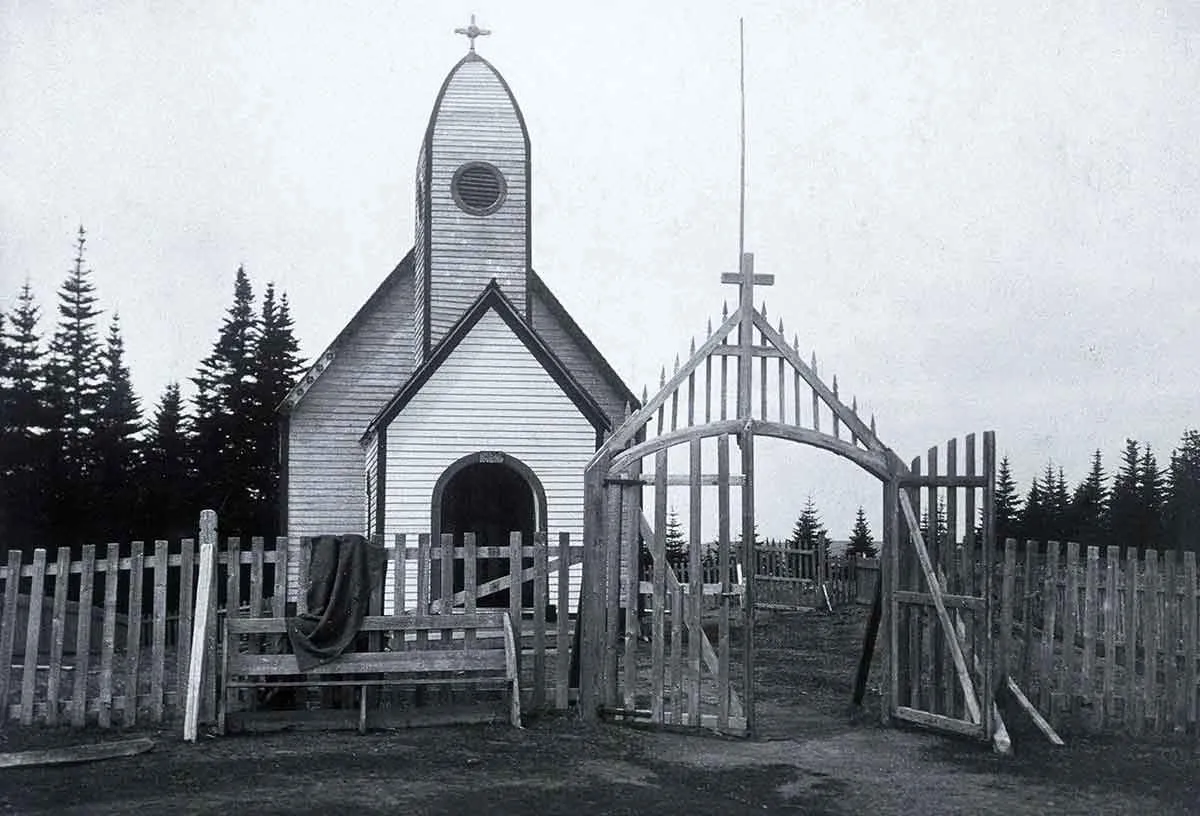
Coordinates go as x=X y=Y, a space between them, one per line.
x=1143 y=504
x=83 y=461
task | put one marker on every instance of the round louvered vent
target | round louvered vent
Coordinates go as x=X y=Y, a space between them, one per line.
x=478 y=188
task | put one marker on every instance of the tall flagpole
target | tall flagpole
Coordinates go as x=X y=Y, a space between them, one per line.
x=742 y=141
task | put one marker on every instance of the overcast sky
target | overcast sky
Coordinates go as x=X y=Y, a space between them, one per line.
x=977 y=219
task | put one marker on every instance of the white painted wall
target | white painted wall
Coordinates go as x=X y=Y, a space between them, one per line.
x=490 y=394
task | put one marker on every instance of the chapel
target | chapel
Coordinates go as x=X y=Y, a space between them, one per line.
x=461 y=397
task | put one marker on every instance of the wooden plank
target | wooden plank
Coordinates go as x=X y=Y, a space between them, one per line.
x=1071 y=613
x=515 y=588
x=1049 y=613
x=969 y=602
x=746 y=440
x=1170 y=643
x=303 y=579
x=33 y=635
x=889 y=576
x=470 y=581
x=673 y=479
x=400 y=574
x=446 y=554
x=8 y=624
x=696 y=580
x=488 y=621
x=562 y=649
x=938 y=721
x=612 y=587
x=1133 y=618
x=76 y=753
x=424 y=564
x=158 y=642
x=1007 y=588
x=1029 y=596
x=279 y=590
x=133 y=641
x=1191 y=642
x=1153 y=638
x=83 y=637
x=541 y=588
x=205 y=590
x=677 y=702
x=970 y=545
x=187 y=585
x=659 y=595
x=1112 y=565
x=935 y=643
x=1091 y=609
x=108 y=646
x=724 y=682
x=256 y=666
x=1038 y=719
x=935 y=481
x=912 y=580
x=257 y=576
x=58 y=632
x=630 y=557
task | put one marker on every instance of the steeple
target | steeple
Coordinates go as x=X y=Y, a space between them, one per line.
x=472 y=203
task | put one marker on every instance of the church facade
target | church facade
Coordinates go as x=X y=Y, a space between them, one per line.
x=461 y=397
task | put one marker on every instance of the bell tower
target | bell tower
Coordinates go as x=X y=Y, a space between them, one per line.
x=472 y=190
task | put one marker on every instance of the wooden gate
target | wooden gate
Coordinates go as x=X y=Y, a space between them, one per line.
x=938 y=589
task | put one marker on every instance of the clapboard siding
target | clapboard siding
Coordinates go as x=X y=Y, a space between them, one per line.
x=325 y=467
x=476 y=120
x=587 y=371
x=490 y=394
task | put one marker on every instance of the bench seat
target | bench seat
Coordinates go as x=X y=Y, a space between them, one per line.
x=451 y=649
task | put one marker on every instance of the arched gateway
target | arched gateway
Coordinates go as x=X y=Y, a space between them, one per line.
x=697 y=435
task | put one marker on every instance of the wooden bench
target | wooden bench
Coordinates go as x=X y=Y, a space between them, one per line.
x=475 y=648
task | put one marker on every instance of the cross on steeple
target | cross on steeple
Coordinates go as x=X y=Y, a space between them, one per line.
x=472 y=31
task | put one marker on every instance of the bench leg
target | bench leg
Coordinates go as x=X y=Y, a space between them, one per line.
x=362 y=709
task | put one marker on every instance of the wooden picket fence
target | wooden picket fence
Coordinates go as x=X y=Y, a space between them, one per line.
x=1102 y=640
x=788 y=577
x=111 y=644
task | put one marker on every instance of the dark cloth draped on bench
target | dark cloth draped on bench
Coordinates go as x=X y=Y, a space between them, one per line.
x=343 y=571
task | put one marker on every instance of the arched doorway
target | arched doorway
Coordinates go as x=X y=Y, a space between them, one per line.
x=492 y=495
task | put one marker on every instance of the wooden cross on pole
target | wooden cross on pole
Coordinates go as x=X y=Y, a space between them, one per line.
x=472 y=31
x=746 y=280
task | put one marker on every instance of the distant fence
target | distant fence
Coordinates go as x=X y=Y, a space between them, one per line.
x=1102 y=639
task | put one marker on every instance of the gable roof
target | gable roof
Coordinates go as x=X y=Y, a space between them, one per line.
x=306 y=380
x=493 y=299
x=535 y=284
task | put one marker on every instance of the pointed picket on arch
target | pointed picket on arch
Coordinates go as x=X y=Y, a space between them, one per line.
x=745 y=381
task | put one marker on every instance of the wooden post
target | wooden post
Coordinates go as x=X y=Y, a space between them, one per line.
x=159 y=640
x=591 y=589
x=1049 y=611
x=112 y=568
x=746 y=437
x=83 y=637
x=8 y=628
x=205 y=589
x=1112 y=571
x=133 y=632
x=62 y=575
x=33 y=636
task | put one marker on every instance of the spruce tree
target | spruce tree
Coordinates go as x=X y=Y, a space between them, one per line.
x=22 y=450
x=1182 y=515
x=1152 y=495
x=675 y=542
x=1125 y=502
x=1033 y=514
x=118 y=422
x=1008 y=505
x=73 y=378
x=862 y=544
x=167 y=458
x=277 y=364
x=1089 y=506
x=810 y=534
x=226 y=417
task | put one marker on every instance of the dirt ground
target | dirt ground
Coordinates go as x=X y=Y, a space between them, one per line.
x=815 y=758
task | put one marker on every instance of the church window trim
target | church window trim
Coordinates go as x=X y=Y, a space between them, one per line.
x=478 y=188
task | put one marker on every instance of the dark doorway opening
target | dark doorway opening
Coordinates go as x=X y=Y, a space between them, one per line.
x=490 y=500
